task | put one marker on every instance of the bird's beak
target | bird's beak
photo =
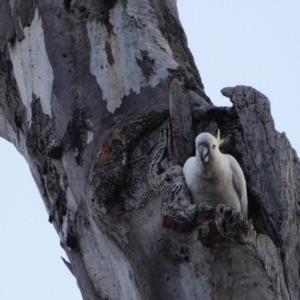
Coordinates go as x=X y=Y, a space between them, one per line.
x=203 y=153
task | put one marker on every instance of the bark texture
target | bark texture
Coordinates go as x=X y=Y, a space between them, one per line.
x=104 y=101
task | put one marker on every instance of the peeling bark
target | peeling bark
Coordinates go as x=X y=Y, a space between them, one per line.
x=103 y=99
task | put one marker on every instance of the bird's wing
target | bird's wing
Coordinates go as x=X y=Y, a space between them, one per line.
x=239 y=184
x=189 y=170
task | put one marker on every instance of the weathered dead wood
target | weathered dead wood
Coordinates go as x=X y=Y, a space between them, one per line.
x=104 y=101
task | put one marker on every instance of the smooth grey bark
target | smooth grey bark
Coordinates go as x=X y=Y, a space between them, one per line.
x=103 y=99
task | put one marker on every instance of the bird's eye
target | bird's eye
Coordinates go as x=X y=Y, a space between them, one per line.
x=213 y=146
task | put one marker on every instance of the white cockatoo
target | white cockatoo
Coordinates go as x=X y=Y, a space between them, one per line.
x=214 y=177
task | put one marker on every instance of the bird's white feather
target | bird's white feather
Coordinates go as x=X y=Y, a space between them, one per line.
x=220 y=180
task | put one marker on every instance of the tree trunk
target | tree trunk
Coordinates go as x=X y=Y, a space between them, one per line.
x=103 y=99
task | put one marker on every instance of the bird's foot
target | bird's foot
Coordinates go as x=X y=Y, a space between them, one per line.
x=205 y=212
x=205 y=208
x=231 y=225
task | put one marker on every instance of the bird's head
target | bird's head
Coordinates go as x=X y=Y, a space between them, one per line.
x=207 y=147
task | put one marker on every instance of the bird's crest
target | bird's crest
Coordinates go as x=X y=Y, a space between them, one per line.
x=219 y=138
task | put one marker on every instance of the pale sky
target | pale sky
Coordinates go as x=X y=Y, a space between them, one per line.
x=234 y=42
